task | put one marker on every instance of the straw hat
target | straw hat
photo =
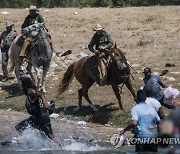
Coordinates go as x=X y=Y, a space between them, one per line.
x=98 y=27
x=9 y=24
x=33 y=7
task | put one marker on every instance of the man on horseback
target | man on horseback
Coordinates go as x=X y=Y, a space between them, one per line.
x=31 y=19
x=100 y=42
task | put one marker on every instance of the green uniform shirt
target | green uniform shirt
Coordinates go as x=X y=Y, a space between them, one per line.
x=103 y=39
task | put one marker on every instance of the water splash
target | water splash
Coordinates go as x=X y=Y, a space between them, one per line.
x=33 y=139
x=82 y=147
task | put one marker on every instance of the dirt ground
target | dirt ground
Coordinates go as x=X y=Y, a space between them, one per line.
x=150 y=36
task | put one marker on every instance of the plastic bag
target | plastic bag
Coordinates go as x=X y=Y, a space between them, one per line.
x=117 y=140
x=171 y=93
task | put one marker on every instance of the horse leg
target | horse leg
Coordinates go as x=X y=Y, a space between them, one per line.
x=118 y=96
x=38 y=76
x=17 y=72
x=79 y=100
x=129 y=86
x=45 y=70
x=29 y=70
x=85 y=94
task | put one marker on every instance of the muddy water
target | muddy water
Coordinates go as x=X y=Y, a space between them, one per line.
x=74 y=136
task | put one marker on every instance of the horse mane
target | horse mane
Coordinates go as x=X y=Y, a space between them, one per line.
x=122 y=52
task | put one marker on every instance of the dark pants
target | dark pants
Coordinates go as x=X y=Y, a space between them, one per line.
x=43 y=124
x=5 y=58
x=167 y=104
x=146 y=147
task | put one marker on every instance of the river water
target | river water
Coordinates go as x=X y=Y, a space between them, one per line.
x=75 y=137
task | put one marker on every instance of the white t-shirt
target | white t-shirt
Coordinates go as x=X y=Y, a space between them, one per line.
x=153 y=102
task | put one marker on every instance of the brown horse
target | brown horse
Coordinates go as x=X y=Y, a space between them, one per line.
x=118 y=72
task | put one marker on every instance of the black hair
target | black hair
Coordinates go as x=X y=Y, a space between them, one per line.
x=27 y=84
x=141 y=96
x=148 y=90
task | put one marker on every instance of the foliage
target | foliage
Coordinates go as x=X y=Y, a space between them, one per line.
x=84 y=3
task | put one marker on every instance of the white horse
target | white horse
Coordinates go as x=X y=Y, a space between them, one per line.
x=40 y=54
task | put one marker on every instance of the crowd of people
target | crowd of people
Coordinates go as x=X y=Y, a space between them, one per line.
x=148 y=119
x=146 y=115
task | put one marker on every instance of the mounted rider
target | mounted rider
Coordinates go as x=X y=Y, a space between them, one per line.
x=33 y=18
x=100 y=42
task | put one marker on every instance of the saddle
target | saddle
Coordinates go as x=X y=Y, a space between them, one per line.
x=91 y=63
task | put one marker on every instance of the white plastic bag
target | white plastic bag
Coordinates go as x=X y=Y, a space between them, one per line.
x=117 y=140
x=171 y=93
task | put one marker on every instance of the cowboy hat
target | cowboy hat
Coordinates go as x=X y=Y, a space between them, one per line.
x=33 y=7
x=98 y=27
x=9 y=24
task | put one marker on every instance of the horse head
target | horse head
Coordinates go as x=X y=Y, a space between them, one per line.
x=41 y=39
x=118 y=58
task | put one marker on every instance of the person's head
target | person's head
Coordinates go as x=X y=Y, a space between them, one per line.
x=31 y=92
x=98 y=29
x=147 y=72
x=141 y=96
x=9 y=26
x=33 y=10
x=27 y=84
x=148 y=91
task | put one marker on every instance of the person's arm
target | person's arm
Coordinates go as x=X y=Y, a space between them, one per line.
x=44 y=99
x=91 y=44
x=130 y=126
x=161 y=83
x=25 y=23
x=28 y=107
x=134 y=120
x=1 y=46
x=110 y=42
x=161 y=113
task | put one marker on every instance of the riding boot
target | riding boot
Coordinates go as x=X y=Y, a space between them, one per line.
x=26 y=43
x=102 y=71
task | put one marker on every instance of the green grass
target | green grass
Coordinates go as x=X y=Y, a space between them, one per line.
x=17 y=107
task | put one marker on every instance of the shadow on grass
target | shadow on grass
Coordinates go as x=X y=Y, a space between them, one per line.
x=101 y=116
x=13 y=90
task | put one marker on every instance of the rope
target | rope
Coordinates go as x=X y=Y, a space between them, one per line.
x=59 y=57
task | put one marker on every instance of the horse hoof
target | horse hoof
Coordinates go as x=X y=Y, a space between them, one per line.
x=122 y=108
x=95 y=109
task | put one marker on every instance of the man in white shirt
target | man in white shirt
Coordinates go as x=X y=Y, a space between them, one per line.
x=154 y=103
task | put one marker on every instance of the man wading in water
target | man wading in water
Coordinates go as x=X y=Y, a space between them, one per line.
x=37 y=106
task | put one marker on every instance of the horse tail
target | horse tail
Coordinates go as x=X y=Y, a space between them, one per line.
x=67 y=79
